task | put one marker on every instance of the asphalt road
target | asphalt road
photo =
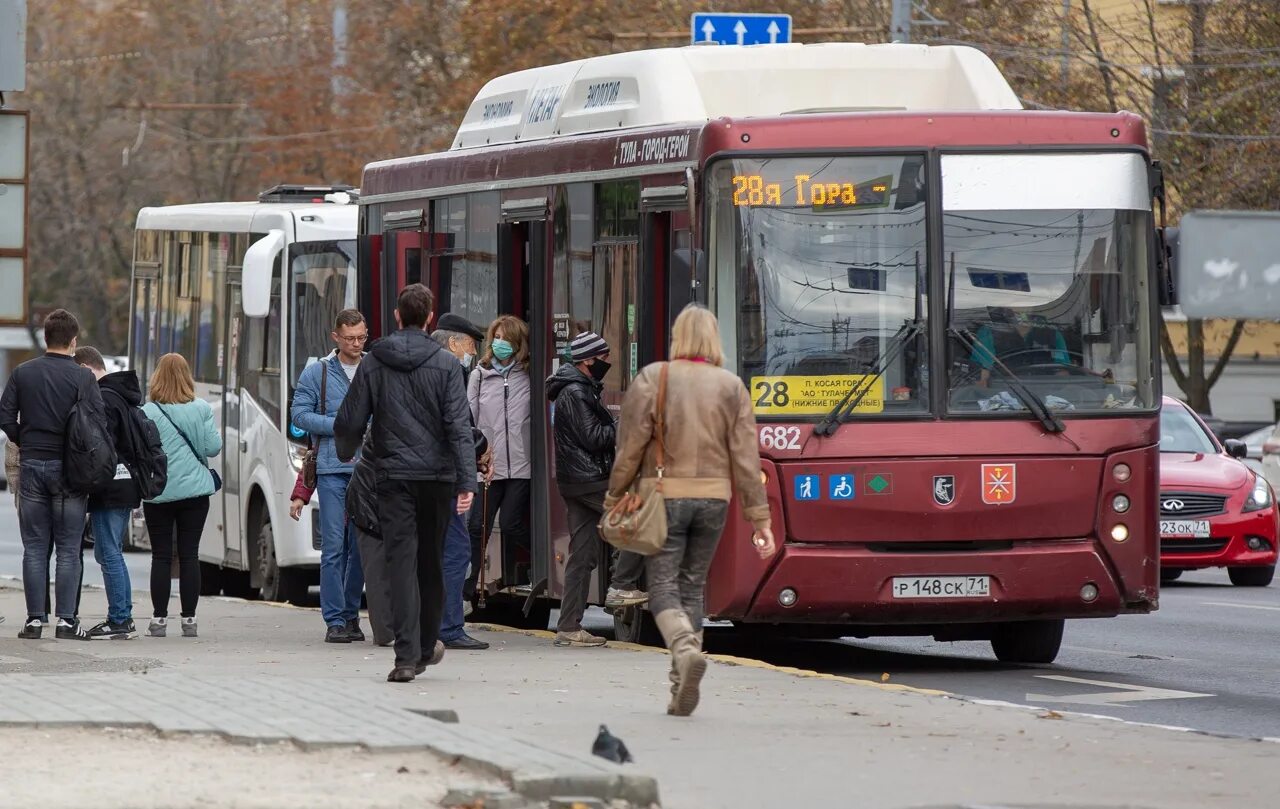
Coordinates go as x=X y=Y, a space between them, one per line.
x=1209 y=659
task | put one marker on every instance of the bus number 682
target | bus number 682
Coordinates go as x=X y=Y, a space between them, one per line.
x=780 y=438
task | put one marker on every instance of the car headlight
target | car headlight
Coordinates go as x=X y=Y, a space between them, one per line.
x=1261 y=497
x=297 y=452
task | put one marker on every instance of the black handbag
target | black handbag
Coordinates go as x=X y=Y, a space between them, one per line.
x=217 y=479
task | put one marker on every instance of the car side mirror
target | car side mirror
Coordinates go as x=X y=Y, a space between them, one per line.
x=1236 y=448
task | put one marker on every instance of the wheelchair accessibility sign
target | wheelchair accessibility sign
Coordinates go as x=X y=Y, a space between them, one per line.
x=841 y=487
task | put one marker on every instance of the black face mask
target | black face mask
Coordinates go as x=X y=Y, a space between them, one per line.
x=598 y=370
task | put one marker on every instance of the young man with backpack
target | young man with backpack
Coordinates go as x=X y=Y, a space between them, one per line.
x=52 y=409
x=141 y=463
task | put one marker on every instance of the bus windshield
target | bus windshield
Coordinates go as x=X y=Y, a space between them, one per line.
x=1047 y=287
x=322 y=275
x=824 y=261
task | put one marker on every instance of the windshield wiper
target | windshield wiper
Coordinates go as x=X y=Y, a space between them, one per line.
x=854 y=396
x=1028 y=397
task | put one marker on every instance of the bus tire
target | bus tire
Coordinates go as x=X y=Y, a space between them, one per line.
x=210 y=579
x=237 y=584
x=1251 y=576
x=278 y=583
x=636 y=625
x=1028 y=641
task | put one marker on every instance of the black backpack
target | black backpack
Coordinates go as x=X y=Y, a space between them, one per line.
x=146 y=459
x=89 y=457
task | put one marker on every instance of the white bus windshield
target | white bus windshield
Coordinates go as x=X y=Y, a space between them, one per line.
x=323 y=280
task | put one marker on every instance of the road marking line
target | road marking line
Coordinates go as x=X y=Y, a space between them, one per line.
x=1123 y=692
x=1239 y=606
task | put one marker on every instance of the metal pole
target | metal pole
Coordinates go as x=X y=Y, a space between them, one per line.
x=1066 y=41
x=339 y=79
x=900 y=26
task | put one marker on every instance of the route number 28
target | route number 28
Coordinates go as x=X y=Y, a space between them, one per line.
x=776 y=438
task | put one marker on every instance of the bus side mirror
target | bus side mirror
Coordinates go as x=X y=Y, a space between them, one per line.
x=1167 y=265
x=255 y=277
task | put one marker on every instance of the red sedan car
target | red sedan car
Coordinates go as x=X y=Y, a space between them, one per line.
x=1214 y=510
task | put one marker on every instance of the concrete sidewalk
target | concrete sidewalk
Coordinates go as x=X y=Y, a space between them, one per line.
x=763 y=737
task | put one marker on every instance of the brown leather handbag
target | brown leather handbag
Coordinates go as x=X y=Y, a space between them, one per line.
x=309 y=460
x=638 y=521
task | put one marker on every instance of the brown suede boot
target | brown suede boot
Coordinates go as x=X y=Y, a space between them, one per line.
x=687 y=663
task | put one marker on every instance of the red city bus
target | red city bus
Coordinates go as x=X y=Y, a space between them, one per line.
x=944 y=308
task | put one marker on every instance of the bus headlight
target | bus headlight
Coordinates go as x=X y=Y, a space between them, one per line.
x=1120 y=532
x=1121 y=472
x=1120 y=503
x=1261 y=496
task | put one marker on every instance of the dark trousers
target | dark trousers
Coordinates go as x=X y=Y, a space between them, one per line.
x=377 y=588
x=678 y=573
x=413 y=516
x=50 y=516
x=585 y=545
x=511 y=497
x=168 y=524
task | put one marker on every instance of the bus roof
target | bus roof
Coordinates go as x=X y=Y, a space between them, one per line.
x=698 y=83
x=310 y=221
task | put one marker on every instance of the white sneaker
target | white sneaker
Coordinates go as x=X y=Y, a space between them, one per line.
x=189 y=627
x=624 y=598
x=467 y=609
x=158 y=627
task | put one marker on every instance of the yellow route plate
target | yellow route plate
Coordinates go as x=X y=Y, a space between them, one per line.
x=812 y=395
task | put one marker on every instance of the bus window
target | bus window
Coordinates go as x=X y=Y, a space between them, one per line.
x=261 y=357
x=211 y=322
x=581 y=265
x=323 y=279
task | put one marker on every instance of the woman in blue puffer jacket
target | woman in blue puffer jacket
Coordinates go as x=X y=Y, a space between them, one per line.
x=177 y=515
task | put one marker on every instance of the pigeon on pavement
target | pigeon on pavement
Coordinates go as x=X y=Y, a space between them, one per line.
x=611 y=747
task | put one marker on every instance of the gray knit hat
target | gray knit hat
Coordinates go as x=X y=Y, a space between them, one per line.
x=586 y=346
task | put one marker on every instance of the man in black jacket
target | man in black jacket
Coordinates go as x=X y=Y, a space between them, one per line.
x=423 y=455
x=110 y=508
x=585 y=435
x=34 y=410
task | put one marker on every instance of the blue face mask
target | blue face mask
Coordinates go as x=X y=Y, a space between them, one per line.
x=503 y=350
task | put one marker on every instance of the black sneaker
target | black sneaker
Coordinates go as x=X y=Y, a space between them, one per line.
x=32 y=629
x=354 y=632
x=70 y=631
x=337 y=634
x=121 y=631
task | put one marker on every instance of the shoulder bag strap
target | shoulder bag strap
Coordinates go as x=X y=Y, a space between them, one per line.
x=190 y=445
x=324 y=387
x=660 y=422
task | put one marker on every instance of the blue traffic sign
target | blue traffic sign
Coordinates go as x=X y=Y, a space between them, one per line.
x=808 y=487
x=741 y=29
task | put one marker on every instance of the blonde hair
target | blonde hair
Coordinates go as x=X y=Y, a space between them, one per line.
x=696 y=334
x=172 y=383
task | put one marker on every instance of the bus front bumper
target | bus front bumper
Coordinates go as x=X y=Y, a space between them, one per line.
x=1032 y=580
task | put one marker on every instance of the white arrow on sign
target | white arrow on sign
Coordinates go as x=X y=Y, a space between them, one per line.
x=1126 y=693
x=773 y=30
x=740 y=29
x=708 y=31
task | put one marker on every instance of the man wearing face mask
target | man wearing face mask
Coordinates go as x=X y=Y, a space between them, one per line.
x=585 y=435
x=461 y=338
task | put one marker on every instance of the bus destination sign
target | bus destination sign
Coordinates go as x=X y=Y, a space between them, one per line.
x=805 y=191
x=800 y=395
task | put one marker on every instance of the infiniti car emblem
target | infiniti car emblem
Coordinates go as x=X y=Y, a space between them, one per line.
x=1172 y=505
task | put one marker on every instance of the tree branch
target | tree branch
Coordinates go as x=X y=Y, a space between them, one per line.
x=1171 y=357
x=1218 y=367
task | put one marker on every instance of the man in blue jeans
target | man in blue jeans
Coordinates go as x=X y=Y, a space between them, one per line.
x=109 y=509
x=34 y=409
x=461 y=338
x=321 y=388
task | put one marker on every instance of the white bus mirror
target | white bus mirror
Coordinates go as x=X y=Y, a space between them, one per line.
x=255 y=278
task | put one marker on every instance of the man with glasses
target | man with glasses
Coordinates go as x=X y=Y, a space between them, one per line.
x=321 y=388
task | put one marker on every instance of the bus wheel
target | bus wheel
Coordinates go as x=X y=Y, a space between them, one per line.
x=1168 y=574
x=210 y=579
x=236 y=583
x=636 y=625
x=1027 y=641
x=1251 y=576
x=278 y=584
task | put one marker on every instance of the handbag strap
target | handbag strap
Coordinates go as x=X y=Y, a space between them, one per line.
x=660 y=422
x=183 y=435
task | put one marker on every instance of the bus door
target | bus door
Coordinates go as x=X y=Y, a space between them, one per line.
x=524 y=290
x=406 y=243
x=232 y=448
x=672 y=270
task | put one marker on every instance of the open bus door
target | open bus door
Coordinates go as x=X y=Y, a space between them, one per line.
x=524 y=291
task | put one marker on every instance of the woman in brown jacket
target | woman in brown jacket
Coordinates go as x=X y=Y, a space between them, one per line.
x=711 y=451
